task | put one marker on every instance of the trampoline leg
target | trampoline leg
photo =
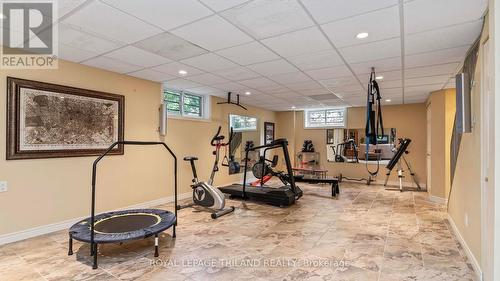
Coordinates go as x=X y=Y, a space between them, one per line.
x=94 y=266
x=173 y=234
x=70 y=245
x=156 y=245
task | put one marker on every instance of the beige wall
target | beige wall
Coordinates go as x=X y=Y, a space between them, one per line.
x=48 y=191
x=443 y=114
x=409 y=121
x=465 y=198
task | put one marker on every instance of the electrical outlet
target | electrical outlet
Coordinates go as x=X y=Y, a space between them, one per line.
x=466 y=219
x=3 y=186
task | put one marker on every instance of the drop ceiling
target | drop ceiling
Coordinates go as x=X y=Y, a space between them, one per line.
x=301 y=53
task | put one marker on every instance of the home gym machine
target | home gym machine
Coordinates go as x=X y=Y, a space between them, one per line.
x=277 y=196
x=204 y=193
x=396 y=162
x=374 y=122
x=264 y=172
x=340 y=149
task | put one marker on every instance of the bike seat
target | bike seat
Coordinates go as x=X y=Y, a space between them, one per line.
x=190 y=158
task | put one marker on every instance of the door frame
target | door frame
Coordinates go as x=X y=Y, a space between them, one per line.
x=487 y=159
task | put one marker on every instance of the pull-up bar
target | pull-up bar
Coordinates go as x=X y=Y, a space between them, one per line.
x=229 y=101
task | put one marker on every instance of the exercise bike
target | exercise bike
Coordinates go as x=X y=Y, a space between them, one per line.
x=204 y=193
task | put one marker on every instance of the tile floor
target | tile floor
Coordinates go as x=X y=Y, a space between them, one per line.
x=367 y=234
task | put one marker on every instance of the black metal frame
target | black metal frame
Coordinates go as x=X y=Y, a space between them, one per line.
x=229 y=101
x=279 y=143
x=93 y=245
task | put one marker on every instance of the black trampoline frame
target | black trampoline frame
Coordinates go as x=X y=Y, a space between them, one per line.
x=93 y=243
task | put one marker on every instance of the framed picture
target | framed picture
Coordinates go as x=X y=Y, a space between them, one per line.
x=330 y=138
x=268 y=132
x=48 y=121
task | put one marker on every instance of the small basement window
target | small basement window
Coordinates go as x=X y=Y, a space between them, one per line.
x=185 y=104
x=325 y=118
x=241 y=123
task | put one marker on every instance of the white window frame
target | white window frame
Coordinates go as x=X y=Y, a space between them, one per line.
x=244 y=129
x=307 y=124
x=204 y=105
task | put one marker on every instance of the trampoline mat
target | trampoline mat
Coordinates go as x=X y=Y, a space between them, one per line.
x=126 y=223
x=123 y=225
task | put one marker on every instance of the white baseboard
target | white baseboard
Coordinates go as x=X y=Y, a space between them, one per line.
x=475 y=264
x=44 y=229
x=437 y=199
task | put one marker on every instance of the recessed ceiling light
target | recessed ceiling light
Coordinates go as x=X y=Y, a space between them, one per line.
x=380 y=77
x=183 y=72
x=388 y=100
x=362 y=35
x=248 y=93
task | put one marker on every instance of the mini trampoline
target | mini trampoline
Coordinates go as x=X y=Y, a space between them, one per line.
x=126 y=225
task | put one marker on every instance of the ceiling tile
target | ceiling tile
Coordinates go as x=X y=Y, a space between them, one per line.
x=319 y=91
x=206 y=90
x=236 y=73
x=209 y=62
x=207 y=79
x=387 y=64
x=202 y=33
x=421 y=90
x=151 y=75
x=264 y=18
x=273 y=67
x=442 y=79
x=249 y=53
x=66 y=6
x=170 y=46
x=300 y=42
x=219 y=5
x=231 y=87
x=303 y=86
x=181 y=84
x=437 y=57
x=293 y=77
x=258 y=83
x=387 y=75
x=165 y=14
x=99 y=18
x=70 y=53
x=136 y=56
x=174 y=67
x=372 y=51
x=84 y=41
x=112 y=65
x=440 y=69
x=343 y=33
x=448 y=37
x=431 y=14
x=316 y=60
x=275 y=89
x=390 y=84
x=330 y=10
x=329 y=72
x=339 y=82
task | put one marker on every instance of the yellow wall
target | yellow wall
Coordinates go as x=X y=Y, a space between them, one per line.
x=443 y=114
x=48 y=191
x=409 y=121
x=465 y=198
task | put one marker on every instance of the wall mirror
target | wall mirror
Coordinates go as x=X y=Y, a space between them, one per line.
x=246 y=134
x=349 y=146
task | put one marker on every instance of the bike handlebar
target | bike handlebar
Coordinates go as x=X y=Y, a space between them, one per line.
x=216 y=140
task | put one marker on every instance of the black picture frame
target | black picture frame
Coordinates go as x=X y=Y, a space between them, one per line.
x=14 y=149
x=330 y=136
x=268 y=132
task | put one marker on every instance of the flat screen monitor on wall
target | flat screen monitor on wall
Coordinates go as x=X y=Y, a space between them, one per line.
x=463 y=115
